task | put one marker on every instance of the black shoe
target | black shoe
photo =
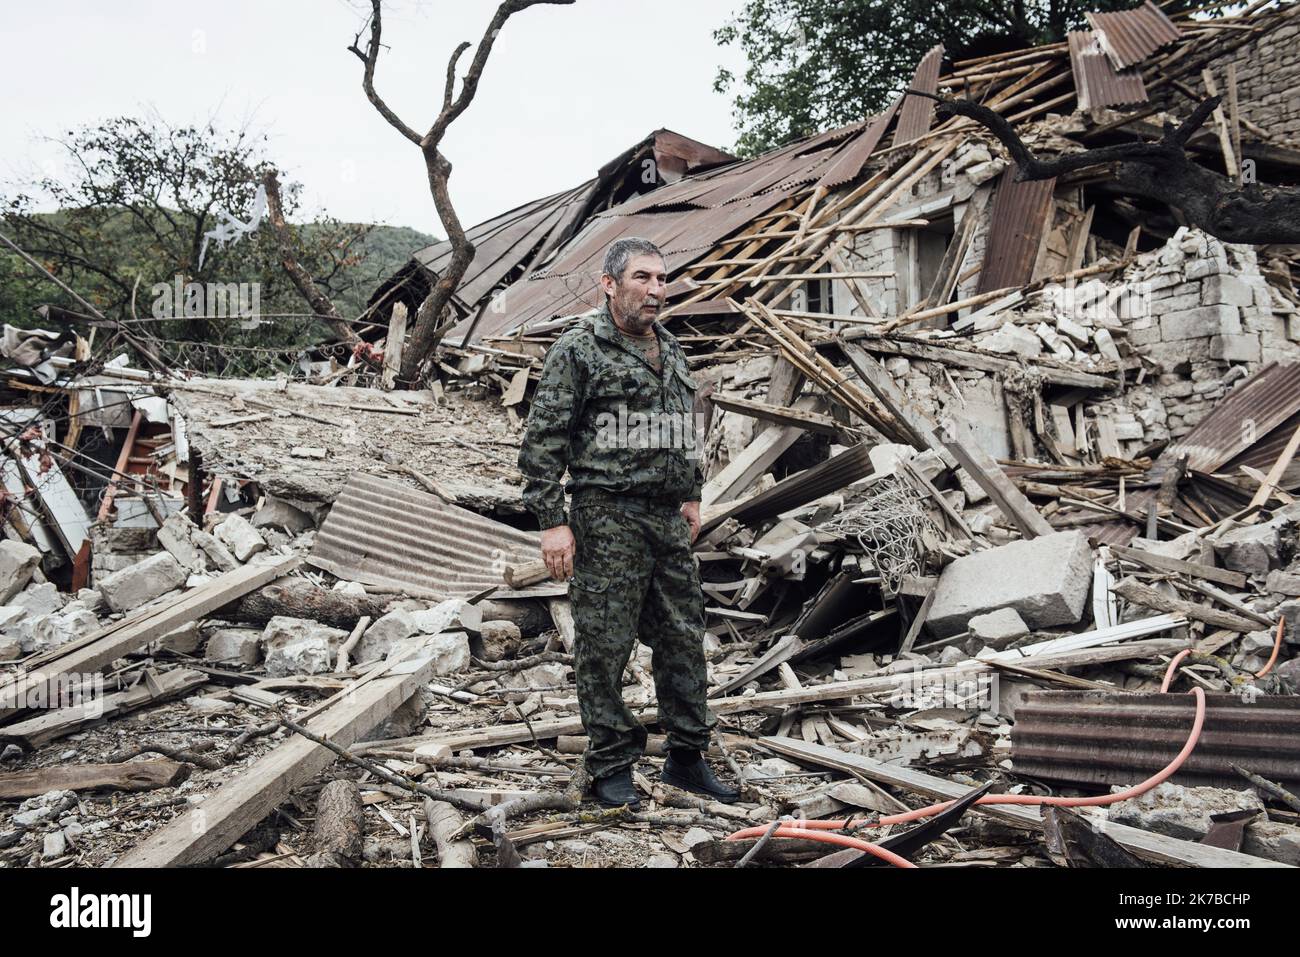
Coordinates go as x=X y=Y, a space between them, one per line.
x=616 y=790
x=698 y=778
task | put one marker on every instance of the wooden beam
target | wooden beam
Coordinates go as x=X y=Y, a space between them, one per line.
x=201 y=832
x=1146 y=844
x=781 y=414
x=755 y=459
x=1164 y=563
x=95 y=651
x=990 y=477
x=967 y=359
x=1270 y=483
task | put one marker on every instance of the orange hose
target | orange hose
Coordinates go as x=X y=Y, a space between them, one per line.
x=1173 y=665
x=1277 y=646
x=1022 y=799
x=792 y=830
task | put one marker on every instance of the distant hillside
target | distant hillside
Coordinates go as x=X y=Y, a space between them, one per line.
x=383 y=252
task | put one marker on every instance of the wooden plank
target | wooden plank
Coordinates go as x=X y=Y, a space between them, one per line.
x=753 y=461
x=393 y=345
x=915 y=628
x=127 y=776
x=1270 y=484
x=1146 y=844
x=969 y=359
x=781 y=414
x=980 y=466
x=1164 y=563
x=95 y=651
x=201 y=832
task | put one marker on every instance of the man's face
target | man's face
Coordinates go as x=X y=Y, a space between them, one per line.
x=638 y=296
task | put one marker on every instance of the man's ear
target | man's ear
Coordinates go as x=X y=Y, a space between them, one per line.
x=607 y=283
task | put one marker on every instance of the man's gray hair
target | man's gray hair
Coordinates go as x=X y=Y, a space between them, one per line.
x=621 y=250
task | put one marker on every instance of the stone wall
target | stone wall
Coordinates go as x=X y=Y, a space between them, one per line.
x=1268 y=79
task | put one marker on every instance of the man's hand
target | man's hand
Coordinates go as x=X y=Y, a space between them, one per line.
x=557 y=552
x=691 y=512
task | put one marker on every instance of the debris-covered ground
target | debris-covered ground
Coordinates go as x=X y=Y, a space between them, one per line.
x=991 y=509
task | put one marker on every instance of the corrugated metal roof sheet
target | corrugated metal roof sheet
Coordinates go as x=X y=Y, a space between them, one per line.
x=1245 y=416
x=1130 y=36
x=1105 y=738
x=1265 y=452
x=918 y=111
x=1096 y=80
x=852 y=155
x=1020 y=211
x=381 y=532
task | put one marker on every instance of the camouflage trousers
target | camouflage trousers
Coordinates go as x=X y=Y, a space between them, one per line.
x=635 y=577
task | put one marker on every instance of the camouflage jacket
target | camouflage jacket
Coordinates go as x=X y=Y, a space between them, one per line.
x=601 y=411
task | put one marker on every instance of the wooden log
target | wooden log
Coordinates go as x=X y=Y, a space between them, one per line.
x=529 y=573
x=299 y=598
x=1134 y=591
x=128 y=776
x=444 y=821
x=340 y=829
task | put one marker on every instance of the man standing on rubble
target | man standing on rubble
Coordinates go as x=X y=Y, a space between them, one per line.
x=615 y=406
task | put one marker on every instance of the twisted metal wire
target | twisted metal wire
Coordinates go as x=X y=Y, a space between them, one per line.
x=890 y=525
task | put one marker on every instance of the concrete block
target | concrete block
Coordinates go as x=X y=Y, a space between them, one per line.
x=1226 y=290
x=144 y=581
x=42 y=599
x=238 y=534
x=1045 y=580
x=175 y=536
x=234 y=646
x=997 y=629
x=307 y=656
x=1273 y=840
x=384 y=634
x=1257 y=549
x=1181 y=812
x=17 y=562
x=1242 y=348
x=452 y=613
x=1200 y=322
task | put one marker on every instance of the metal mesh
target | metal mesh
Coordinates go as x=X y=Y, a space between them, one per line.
x=890 y=525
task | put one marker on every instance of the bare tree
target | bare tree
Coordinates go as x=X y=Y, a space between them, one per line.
x=430 y=325
x=300 y=277
x=1252 y=213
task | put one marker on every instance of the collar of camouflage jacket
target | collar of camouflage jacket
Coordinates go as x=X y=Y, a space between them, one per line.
x=604 y=328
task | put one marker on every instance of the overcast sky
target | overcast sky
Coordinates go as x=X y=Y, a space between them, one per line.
x=567 y=88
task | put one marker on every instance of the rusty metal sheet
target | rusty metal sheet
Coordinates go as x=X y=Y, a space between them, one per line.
x=918 y=111
x=1096 y=80
x=381 y=532
x=1106 y=738
x=1250 y=412
x=848 y=161
x=1130 y=36
x=1266 y=451
x=569 y=286
x=1020 y=211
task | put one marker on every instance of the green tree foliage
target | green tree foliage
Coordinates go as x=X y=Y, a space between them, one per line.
x=813 y=65
x=131 y=212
